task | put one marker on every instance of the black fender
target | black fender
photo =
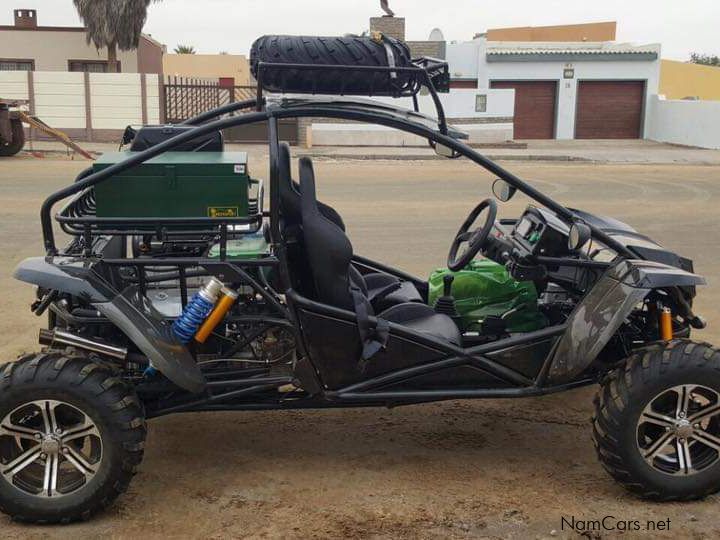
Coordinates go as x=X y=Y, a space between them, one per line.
x=605 y=307
x=67 y=275
x=129 y=311
x=134 y=315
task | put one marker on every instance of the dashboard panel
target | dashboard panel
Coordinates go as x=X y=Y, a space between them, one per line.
x=540 y=232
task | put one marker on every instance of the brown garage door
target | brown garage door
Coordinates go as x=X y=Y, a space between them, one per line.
x=609 y=109
x=535 y=103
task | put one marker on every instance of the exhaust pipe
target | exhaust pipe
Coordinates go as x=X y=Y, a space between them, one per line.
x=51 y=337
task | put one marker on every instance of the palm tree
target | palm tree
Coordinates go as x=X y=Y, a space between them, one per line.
x=115 y=24
x=184 y=49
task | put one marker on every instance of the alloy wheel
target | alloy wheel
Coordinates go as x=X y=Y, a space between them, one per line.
x=678 y=432
x=49 y=448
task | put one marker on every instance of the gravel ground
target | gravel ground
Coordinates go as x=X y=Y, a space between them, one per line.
x=485 y=469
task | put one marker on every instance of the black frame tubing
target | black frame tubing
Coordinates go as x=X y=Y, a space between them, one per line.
x=316 y=110
x=525 y=385
x=225 y=109
x=328 y=111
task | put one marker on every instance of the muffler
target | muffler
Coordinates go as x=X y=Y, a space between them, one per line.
x=52 y=337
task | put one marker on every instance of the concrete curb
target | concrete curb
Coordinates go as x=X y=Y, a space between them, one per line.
x=429 y=157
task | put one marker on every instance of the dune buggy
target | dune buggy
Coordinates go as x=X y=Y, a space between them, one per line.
x=179 y=291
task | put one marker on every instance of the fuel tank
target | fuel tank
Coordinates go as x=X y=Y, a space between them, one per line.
x=484 y=289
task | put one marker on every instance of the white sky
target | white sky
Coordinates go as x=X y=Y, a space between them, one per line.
x=232 y=25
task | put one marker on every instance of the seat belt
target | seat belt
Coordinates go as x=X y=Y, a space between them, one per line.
x=385 y=292
x=373 y=339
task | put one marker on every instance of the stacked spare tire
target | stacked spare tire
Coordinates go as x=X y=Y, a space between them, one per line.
x=350 y=51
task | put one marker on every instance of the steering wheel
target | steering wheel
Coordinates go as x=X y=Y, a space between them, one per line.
x=476 y=238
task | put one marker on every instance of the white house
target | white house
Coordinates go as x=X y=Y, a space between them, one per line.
x=563 y=90
x=533 y=90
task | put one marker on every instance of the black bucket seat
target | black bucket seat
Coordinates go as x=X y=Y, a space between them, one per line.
x=383 y=290
x=329 y=255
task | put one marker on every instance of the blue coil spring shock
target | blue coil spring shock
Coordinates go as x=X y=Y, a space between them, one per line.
x=198 y=308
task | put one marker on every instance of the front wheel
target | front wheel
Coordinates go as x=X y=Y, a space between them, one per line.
x=71 y=435
x=656 y=425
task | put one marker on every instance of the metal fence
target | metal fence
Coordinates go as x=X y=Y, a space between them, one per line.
x=185 y=97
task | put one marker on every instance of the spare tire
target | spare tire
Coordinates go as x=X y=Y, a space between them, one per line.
x=338 y=51
x=18 y=140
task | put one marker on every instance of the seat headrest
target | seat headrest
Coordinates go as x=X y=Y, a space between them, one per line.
x=307 y=187
x=290 y=193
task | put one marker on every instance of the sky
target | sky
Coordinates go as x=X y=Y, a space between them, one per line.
x=212 y=26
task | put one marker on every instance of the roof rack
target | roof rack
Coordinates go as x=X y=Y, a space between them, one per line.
x=426 y=72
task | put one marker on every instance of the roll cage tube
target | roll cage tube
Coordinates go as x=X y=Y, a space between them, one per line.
x=325 y=111
x=225 y=109
x=304 y=111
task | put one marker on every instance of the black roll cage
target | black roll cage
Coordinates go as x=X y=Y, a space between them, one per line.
x=360 y=112
x=73 y=219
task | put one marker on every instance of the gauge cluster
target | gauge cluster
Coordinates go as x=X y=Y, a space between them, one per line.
x=540 y=232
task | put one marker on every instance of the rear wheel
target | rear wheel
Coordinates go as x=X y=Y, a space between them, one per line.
x=18 y=140
x=71 y=435
x=657 y=422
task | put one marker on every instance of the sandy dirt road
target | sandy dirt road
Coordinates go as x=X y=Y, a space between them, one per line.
x=493 y=469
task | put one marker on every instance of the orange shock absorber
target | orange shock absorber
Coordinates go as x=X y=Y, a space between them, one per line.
x=216 y=315
x=666 y=329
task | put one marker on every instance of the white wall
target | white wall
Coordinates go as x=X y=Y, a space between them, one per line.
x=691 y=123
x=13 y=85
x=115 y=98
x=152 y=91
x=463 y=58
x=458 y=103
x=60 y=98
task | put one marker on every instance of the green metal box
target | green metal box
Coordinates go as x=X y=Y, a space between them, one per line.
x=175 y=184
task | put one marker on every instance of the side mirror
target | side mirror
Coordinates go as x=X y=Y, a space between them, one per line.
x=443 y=151
x=503 y=191
x=579 y=236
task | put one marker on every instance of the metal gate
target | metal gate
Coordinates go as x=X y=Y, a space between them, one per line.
x=185 y=97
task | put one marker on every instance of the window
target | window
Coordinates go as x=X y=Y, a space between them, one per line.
x=481 y=103
x=91 y=66
x=17 y=65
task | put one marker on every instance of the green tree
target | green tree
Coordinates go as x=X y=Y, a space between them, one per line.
x=115 y=24
x=705 y=59
x=184 y=49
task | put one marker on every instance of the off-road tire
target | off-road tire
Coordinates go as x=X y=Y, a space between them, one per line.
x=623 y=395
x=348 y=51
x=111 y=404
x=18 y=140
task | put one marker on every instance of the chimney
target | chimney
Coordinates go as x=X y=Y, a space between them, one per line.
x=26 y=18
x=389 y=26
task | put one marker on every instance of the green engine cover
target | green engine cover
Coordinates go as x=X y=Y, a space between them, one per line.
x=175 y=184
x=485 y=288
x=249 y=246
